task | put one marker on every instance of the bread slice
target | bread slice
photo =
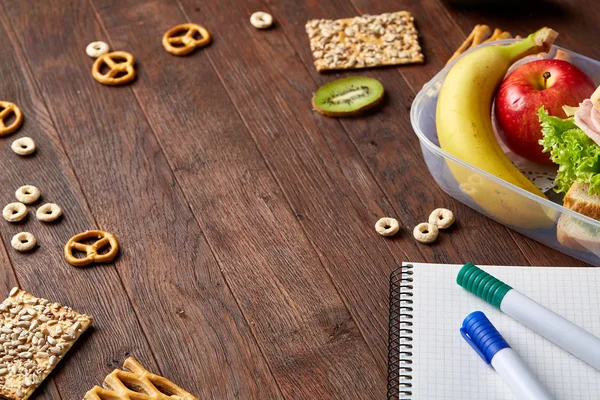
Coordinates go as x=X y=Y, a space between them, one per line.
x=573 y=233
x=578 y=199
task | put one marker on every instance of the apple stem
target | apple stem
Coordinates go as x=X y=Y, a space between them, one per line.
x=546 y=76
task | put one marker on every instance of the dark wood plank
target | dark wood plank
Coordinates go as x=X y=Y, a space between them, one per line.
x=44 y=272
x=313 y=346
x=391 y=149
x=326 y=181
x=198 y=336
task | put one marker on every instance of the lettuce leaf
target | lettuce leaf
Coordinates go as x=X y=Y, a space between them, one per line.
x=577 y=156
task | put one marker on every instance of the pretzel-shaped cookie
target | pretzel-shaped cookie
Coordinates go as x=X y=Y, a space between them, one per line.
x=8 y=108
x=186 y=42
x=139 y=384
x=91 y=250
x=115 y=68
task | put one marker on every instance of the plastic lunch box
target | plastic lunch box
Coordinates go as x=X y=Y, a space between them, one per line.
x=510 y=205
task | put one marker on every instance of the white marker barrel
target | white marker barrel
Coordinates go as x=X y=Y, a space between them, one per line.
x=517 y=376
x=553 y=327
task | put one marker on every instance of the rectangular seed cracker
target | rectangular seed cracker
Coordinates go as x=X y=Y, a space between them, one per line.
x=365 y=41
x=35 y=335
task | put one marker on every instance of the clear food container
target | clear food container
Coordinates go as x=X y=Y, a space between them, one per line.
x=543 y=220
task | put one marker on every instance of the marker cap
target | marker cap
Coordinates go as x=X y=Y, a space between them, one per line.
x=483 y=337
x=482 y=284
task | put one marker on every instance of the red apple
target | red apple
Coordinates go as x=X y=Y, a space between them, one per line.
x=548 y=83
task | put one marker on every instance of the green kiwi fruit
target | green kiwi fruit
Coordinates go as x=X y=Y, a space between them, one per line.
x=348 y=96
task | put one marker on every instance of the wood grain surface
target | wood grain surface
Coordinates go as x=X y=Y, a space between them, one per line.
x=249 y=265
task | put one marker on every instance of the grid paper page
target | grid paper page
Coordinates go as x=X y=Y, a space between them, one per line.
x=446 y=367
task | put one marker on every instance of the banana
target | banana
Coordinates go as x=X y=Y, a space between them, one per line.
x=464 y=126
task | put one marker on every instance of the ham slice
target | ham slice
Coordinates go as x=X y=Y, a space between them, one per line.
x=587 y=118
x=595 y=98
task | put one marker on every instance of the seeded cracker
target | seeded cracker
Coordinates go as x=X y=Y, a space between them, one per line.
x=366 y=41
x=34 y=336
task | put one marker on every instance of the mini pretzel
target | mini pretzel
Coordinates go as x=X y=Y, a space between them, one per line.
x=181 y=45
x=91 y=251
x=387 y=226
x=115 y=68
x=426 y=232
x=6 y=109
x=442 y=218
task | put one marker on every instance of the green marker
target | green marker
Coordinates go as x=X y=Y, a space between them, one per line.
x=533 y=315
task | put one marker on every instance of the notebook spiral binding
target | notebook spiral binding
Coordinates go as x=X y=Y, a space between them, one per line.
x=400 y=334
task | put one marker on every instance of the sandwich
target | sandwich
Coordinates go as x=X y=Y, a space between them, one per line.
x=574 y=144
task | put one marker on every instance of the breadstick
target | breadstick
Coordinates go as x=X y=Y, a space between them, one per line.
x=479 y=33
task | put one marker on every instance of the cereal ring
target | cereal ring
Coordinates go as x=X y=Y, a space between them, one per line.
x=261 y=20
x=6 y=110
x=96 y=49
x=387 y=226
x=442 y=218
x=28 y=194
x=181 y=39
x=120 y=65
x=23 y=241
x=23 y=146
x=14 y=212
x=48 y=212
x=425 y=232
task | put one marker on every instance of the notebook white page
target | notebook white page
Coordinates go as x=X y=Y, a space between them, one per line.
x=446 y=367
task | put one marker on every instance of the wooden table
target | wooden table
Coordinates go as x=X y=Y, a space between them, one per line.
x=249 y=265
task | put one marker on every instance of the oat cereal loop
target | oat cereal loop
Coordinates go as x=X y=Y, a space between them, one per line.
x=28 y=194
x=442 y=218
x=261 y=20
x=96 y=49
x=14 y=212
x=425 y=232
x=23 y=241
x=48 y=212
x=23 y=146
x=387 y=226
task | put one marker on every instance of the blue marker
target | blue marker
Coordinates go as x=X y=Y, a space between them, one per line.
x=483 y=337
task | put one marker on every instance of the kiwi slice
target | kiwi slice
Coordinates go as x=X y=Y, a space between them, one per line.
x=348 y=96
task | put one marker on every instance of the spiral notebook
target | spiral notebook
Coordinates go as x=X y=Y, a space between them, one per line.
x=429 y=360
